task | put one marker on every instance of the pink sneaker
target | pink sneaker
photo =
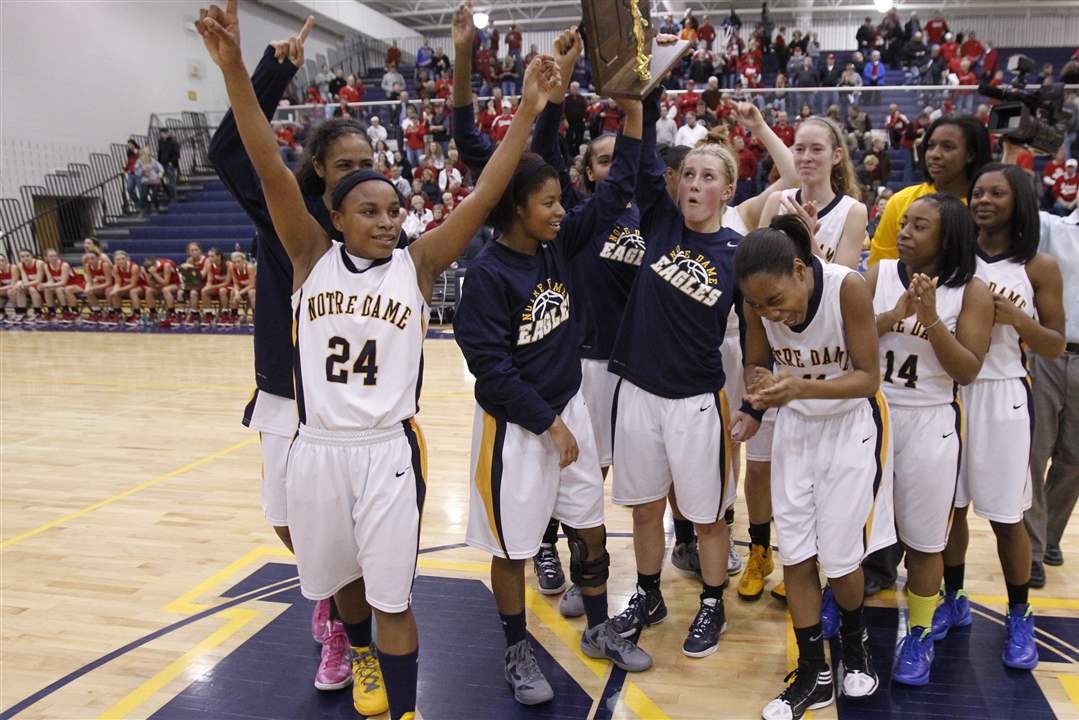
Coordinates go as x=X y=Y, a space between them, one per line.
x=320 y=621
x=335 y=668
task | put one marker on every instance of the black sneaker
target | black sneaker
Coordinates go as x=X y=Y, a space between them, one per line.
x=809 y=691
x=859 y=677
x=644 y=609
x=1053 y=556
x=704 y=632
x=1037 y=575
x=548 y=569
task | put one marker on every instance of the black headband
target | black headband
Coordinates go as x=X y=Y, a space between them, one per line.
x=353 y=179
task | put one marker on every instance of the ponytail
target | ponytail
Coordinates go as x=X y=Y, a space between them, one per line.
x=773 y=250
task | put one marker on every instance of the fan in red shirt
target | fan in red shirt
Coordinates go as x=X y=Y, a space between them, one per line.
x=501 y=124
x=486 y=120
x=706 y=32
x=393 y=55
x=1066 y=189
x=444 y=87
x=949 y=49
x=1053 y=171
x=966 y=76
x=414 y=135
x=896 y=124
x=747 y=160
x=687 y=101
x=972 y=49
x=351 y=92
x=935 y=30
x=513 y=42
x=751 y=71
x=783 y=129
x=439 y=215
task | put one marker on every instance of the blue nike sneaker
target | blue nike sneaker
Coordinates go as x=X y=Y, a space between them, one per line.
x=913 y=657
x=829 y=613
x=1020 y=651
x=953 y=612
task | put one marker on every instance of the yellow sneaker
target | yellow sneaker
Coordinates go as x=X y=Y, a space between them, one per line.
x=758 y=567
x=368 y=688
x=409 y=716
x=779 y=592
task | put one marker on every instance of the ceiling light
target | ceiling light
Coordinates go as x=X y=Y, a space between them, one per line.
x=883 y=6
x=481 y=19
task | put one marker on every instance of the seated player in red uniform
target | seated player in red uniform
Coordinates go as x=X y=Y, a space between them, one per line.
x=161 y=279
x=217 y=287
x=31 y=275
x=126 y=276
x=11 y=293
x=192 y=280
x=242 y=277
x=97 y=270
x=62 y=286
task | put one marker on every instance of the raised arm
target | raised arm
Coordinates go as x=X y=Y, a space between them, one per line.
x=473 y=146
x=303 y=237
x=601 y=210
x=751 y=209
x=545 y=137
x=434 y=251
x=651 y=178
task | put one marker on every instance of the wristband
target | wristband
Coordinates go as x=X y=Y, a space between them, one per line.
x=751 y=411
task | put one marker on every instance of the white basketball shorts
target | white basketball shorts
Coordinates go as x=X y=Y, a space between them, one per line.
x=928 y=444
x=832 y=486
x=759 y=447
x=517 y=486
x=659 y=441
x=275 y=419
x=354 y=506
x=996 y=455
x=597 y=385
x=731 y=352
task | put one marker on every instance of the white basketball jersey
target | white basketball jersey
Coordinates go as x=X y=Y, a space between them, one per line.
x=1006 y=358
x=832 y=218
x=911 y=373
x=816 y=349
x=732 y=219
x=358 y=342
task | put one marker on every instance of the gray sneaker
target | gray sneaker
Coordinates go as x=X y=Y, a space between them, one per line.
x=524 y=675
x=734 y=559
x=686 y=558
x=572 y=604
x=602 y=642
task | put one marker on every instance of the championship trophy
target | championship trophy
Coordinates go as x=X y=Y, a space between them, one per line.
x=620 y=43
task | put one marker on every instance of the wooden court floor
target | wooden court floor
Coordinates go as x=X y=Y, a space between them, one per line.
x=138 y=577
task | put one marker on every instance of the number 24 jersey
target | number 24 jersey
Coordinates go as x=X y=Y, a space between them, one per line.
x=358 y=342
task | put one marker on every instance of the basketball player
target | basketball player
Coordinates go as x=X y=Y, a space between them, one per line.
x=242 y=276
x=1028 y=312
x=533 y=451
x=161 y=279
x=126 y=276
x=193 y=274
x=62 y=287
x=334 y=149
x=11 y=295
x=349 y=519
x=99 y=281
x=217 y=287
x=671 y=420
x=831 y=490
x=934 y=320
x=826 y=183
x=31 y=276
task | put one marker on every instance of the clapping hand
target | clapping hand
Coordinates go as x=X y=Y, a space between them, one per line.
x=924 y=291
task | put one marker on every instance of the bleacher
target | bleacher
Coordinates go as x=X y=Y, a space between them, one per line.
x=209 y=216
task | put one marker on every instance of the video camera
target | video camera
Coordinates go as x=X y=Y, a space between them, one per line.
x=1029 y=117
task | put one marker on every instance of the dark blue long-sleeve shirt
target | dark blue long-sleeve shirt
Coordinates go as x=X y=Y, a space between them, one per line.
x=676 y=317
x=603 y=273
x=473 y=147
x=514 y=322
x=273 y=282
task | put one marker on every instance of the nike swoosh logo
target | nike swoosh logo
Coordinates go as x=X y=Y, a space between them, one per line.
x=401 y=473
x=867 y=439
x=731 y=244
x=944 y=437
x=817 y=637
x=705 y=408
x=654 y=609
x=1016 y=407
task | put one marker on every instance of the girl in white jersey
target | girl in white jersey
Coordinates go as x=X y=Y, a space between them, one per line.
x=355 y=475
x=934 y=319
x=831 y=491
x=1028 y=313
x=826 y=182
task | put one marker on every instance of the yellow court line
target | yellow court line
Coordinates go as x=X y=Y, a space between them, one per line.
x=14 y=380
x=130 y=491
x=1071 y=686
x=185 y=604
x=238 y=617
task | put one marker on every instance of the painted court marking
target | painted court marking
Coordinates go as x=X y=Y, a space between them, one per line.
x=130 y=491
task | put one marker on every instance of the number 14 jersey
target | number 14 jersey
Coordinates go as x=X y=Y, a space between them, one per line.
x=358 y=342
x=911 y=373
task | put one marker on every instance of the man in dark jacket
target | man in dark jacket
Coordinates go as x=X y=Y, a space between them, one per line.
x=830 y=74
x=168 y=154
x=575 y=107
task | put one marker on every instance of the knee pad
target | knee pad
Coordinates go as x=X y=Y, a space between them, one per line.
x=586 y=573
